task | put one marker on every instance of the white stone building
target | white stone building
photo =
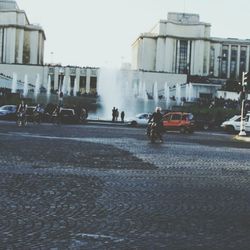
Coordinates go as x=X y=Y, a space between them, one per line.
x=182 y=44
x=20 y=41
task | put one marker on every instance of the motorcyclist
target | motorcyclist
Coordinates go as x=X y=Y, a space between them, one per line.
x=37 y=114
x=157 y=118
x=22 y=108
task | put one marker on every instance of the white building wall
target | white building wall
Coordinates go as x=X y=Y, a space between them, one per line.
x=10 y=45
x=20 y=40
x=217 y=53
x=198 y=55
x=160 y=54
x=34 y=47
x=149 y=54
x=169 y=54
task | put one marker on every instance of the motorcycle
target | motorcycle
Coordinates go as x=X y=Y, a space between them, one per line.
x=21 y=119
x=153 y=132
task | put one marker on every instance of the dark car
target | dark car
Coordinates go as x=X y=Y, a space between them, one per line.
x=8 y=112
x=68 y=116
x=204 y=121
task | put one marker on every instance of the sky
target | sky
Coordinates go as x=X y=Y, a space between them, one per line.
x=98 y=33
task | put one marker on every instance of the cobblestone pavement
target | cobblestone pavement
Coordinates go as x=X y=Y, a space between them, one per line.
x=101 y=187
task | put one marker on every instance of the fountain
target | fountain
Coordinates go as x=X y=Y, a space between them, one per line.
x=119 y=90
x=75 y=88
x=37 y=86
x=178 y=93
x=14 y=83
x=48 y=88
x=69 y=86
x=25 y=86
x=167 y=94
x=63 y=87
x=155 y=93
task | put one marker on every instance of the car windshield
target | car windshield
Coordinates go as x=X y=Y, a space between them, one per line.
x=234 y=117
x=142 y=116
x=6 y=108
x=67 y=112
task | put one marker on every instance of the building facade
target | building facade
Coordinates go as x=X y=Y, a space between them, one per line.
x=20 y=41
x=182 y=44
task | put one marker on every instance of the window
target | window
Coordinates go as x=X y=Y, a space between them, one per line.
x=176 y=117
x=224 y=60
x=243 y=57
x=183 y=57
x=233 y=63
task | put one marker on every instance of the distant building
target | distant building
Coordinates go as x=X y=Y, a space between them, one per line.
x=182 y=44
x=20 y=41
x=22 y=53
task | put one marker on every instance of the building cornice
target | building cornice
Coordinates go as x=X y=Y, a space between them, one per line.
x=210 y=39
x=25 y=27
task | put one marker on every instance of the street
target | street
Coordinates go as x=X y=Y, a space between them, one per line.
x=97 y=186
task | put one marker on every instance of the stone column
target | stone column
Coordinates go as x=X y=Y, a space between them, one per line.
x=228 y=61
x=88 y=75
x=247 y=58
x=238 y=62
x=20 y=46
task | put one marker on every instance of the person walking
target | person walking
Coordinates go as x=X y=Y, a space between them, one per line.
x=122 y=116
x=113 y=114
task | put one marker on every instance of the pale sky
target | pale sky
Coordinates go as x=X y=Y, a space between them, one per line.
x=100 y=32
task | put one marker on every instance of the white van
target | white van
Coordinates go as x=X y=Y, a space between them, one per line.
x=233 y=124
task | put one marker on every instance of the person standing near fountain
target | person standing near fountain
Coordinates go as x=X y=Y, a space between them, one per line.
x=122 y=116
x=113 y=114
x=61 y=99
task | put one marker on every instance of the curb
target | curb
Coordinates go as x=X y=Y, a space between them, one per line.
x=242 y=138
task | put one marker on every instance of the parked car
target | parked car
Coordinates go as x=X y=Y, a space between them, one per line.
x=204 y=122
x=29 y=113
x=8 y=112
x=233 y=124
x=68 y=115
x=179 y=121
x=140 y=120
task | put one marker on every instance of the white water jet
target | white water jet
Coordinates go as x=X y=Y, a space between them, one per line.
x=144 y=92
x=14 y=83
x=25 y=86
x=37 y=86
x=178 y=93
x=155 y=93
x=49 y=87
x=63 y=87
x=69 y=86
x=190 y=93
x=167 y=94
x=75 y=88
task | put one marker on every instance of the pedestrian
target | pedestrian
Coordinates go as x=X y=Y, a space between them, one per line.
x=116 y=115
x=122 y=116
x=113 y=114
x=61 y=99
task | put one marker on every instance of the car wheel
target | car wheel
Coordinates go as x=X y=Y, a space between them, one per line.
x=205 y=126
x=182 y=130
x=230 y=129
x=133 y=123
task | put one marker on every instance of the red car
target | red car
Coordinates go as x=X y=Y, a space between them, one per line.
x=180 y=121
